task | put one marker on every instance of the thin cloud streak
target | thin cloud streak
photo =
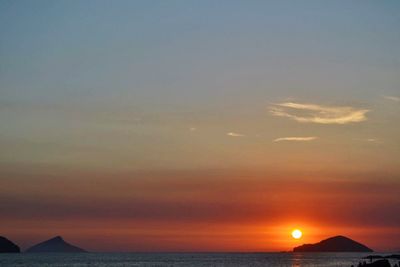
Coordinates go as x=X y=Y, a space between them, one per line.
x=296 y=139
x=235 y=134
x=392 y=98
x=312 y=113
x=373 y=140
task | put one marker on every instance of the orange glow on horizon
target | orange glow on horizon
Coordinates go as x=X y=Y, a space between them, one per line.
x=262 y=220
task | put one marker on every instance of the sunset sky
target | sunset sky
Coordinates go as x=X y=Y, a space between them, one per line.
x=200 y=125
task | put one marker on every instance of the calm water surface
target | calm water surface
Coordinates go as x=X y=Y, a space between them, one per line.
x=181 y=259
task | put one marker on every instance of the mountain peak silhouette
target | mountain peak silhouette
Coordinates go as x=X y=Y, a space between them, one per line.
x=334 y=244
x=56 y=238
x=6 y=246
x=55 y=244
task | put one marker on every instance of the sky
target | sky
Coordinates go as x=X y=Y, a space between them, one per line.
x=200 y=125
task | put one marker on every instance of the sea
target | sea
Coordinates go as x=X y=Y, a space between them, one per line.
x=181 y=259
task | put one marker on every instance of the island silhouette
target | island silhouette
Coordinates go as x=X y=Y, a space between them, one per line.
x=334 y=244
x=6 y=246
x=55 y=244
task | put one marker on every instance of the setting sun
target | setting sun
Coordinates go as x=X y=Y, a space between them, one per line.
x=296 y=234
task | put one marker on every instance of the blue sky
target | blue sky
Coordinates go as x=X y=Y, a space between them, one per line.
x=191 y=51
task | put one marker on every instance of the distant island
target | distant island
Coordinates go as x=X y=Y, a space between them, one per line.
x=6 y=246
x=334 y=244
x=56 y=244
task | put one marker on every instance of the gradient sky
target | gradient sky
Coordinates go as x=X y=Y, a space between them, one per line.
x=199 y=125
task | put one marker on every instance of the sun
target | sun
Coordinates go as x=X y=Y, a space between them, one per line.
x=296 y=234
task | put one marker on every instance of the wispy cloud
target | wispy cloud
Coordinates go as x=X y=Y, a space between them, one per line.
x=392 y=98
x=235 y=134
x=374 y=140
x=312 y=113
x=192 y=129
x=369 y=140
x=296 y=139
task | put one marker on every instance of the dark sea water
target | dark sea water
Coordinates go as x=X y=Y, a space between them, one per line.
x=181 y=259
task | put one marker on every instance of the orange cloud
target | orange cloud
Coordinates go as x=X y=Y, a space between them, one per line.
x=319 y=114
